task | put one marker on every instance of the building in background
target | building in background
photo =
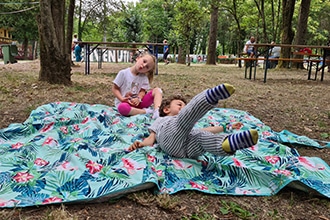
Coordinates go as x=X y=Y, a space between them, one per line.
x=5 y=36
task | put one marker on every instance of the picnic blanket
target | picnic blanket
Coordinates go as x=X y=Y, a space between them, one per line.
x=73 y=152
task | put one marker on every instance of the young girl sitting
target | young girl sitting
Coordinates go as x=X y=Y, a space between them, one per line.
x=131 y=88
x=175 y=133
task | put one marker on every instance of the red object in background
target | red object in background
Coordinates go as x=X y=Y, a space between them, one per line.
x=20 y=55
x=305 y=50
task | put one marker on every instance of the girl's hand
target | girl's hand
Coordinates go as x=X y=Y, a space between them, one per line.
x=237 y=125
x=128 y=94
x=134 y=101
x=135 y=145
x=125 y=99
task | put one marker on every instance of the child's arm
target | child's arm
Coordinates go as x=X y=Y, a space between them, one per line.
x=149 y=141
x=116 y=91
x=214 y=129
x=237 y=125
x=135 y=101
x=218 y=129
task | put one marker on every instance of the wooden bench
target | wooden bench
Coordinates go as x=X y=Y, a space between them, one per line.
x=296 y=56
x=239 y=60
x=250 y=62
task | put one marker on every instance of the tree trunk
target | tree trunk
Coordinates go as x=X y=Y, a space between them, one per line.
x=211 y=51
x=25 y=47
x=69 y=28
x=181 y=55
x=300 y=38
x=287 y=32
x=261 y=10
x=278 y=21
x=55 y=62
x=34 y=50
x=188 y=54
x=238 y=31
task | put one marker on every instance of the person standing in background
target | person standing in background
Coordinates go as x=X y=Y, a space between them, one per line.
x=74 y=41
x=77 y=52
x=166 y=52
x=73 y=45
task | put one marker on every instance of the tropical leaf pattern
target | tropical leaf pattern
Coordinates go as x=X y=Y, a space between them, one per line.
x=73 y=152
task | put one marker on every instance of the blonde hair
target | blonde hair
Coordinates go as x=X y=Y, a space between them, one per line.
x=150 y=74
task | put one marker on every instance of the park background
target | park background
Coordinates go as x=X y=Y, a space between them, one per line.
x=287 y=100
x=210 y=28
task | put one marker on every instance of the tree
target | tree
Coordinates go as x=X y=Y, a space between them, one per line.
x=155 y=22
x=318 y=22
x=287 y=32
x=184 y=28
x=25 y=28
x=211 y=52
x=234 y=9
x=55 y=59
x=275 y=21
x=300 y=37
x=133 y=25
x=301 y=33
x=261 y=11
x=95 y=14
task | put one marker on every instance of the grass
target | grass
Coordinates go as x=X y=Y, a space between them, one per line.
x=235 y=209
x=286 y=101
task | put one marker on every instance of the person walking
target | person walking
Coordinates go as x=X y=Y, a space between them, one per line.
x=166 y=52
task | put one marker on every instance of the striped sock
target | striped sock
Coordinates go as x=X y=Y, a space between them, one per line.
x=240 y=140
x=222 y=91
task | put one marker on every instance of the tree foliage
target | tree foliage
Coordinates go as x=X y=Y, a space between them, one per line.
x=185 y=23
x=133 y=25
x=24 y=29
x=185 y=28
x=156 y=21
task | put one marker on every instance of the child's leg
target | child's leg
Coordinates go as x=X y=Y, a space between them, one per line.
x=158 y=97
x=176 y=131
x=201 y=104
x=240 y=140
x=201 y=141
x=154 y=96
x=126 y=110
x=147 y=100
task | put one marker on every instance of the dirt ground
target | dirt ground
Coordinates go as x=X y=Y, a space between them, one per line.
x=286 y=101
